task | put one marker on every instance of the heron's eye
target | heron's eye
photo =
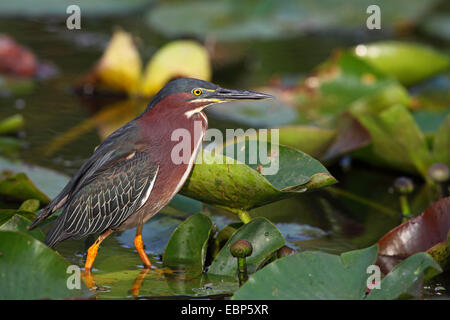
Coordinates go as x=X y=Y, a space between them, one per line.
x=197 y=92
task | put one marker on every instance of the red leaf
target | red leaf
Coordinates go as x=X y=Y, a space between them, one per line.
x=16 y=60
x=416 y=235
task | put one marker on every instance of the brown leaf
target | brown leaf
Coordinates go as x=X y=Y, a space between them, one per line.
x=351 y=136
x=419 y=234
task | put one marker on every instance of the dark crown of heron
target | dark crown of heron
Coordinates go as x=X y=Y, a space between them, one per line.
x=187 y=85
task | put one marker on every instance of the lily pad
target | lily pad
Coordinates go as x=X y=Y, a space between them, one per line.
x=396 y=140
x=318 y=275
x=48 y=181
x=27 y=8
x=11 y=124
x=311 y=275
x=230 y=183
x=31 y=270
x=400 y=280
x=238 y=20
x=341 y=82
x=19 y=223
x=420 y=234
x=311 y=140
x=186 y=248
x=30 y=205
x=20 y=187
x=408 y=62
x=265 y=239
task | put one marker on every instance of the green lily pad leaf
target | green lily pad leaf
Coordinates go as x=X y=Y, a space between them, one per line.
x=311 y=275
x=186 y=248
x=30 y=205
x=31 y=270
x=342 y=81
x=396 y=140
x=48 y=181
x=11 y=124
x=6 y=214
x=228 y=182
x=409 y=63
x=311 y=140
x=237 y=20
x=399 y=281
x=441 y=143
x=265 y=239
x=262 y=114
x=26 y=8
x=20 y=187
x=19 y=223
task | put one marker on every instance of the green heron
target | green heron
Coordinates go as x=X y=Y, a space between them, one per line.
x=131 y=175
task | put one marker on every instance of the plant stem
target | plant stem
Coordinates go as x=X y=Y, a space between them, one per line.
x=404 y=205
x=242 y=271
x=244 y=216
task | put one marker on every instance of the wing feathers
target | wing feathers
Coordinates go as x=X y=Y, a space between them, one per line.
x=107 y=199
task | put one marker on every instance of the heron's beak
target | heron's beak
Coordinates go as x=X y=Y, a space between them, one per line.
x=229 y=95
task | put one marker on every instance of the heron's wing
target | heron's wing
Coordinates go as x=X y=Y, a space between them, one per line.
x=106 y=199
x=118 y=145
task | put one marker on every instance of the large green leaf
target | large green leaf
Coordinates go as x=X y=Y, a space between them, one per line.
x=396 y=139
x=186 y=248
x=265 y=239
x=400 y=280
x=20 y=187
x=409 y=63
x=312 y=275
x=311 y=140
x=230 y=183
x=318 y=275
x=31 y=270
x=19 y=223
x=11 y=124
x=342 y=81
x=48 y=181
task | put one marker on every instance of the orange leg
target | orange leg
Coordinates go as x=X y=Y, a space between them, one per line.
x=92 y=252
x=139 y=245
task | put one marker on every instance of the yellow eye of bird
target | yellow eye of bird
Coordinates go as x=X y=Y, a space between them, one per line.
x=197 y=92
